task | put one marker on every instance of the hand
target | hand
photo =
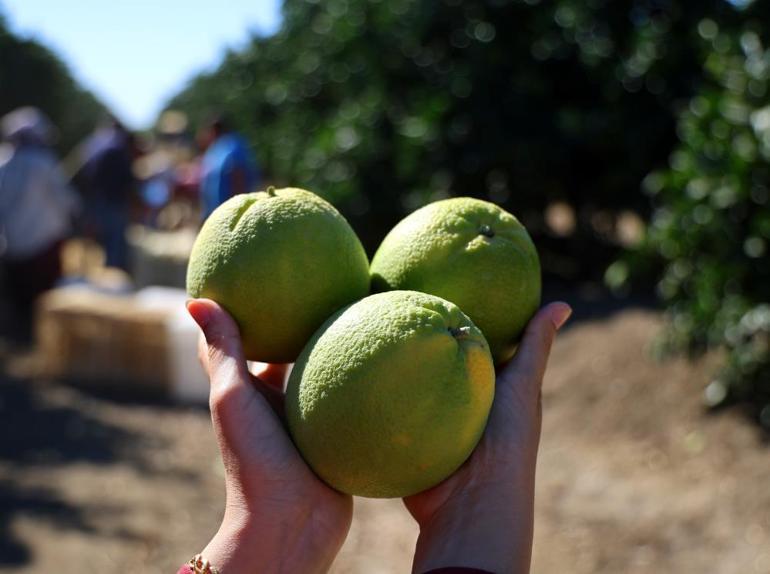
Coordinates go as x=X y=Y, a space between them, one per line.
x=278 y=516
x=483 y=515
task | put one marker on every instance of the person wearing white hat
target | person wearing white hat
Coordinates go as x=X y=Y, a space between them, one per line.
x=28 y=122
x=36 y=207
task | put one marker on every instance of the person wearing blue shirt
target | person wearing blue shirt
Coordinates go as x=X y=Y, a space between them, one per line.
x=227 y=167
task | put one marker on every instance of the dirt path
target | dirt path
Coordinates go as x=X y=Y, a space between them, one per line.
x=633 y=477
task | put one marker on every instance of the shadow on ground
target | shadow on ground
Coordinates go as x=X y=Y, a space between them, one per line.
x=44 y=427
x=36 y=503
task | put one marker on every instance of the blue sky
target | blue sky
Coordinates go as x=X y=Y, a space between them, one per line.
x=134 y=54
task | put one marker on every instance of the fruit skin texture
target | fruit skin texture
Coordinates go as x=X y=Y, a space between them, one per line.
x=280 y=262
x=391 y=395
x=445 y=249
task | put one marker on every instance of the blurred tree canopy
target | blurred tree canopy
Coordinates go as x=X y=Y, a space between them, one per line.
x=32 y=75
x=537 y=105
x=384 y=106
x=711 y=219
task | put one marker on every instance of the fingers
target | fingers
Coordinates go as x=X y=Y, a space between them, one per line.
x=272 y=374
x=532 y=355
x=272 y=394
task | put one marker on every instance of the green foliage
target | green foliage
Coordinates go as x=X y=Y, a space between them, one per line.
x=711 y=223
x=32 y=75
x=385 y=106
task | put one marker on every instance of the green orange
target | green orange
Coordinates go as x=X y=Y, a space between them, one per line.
x=472 y=253
x=280 y=262
x=391 y=395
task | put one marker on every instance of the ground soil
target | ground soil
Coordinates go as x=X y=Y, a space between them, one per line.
x=633 y=477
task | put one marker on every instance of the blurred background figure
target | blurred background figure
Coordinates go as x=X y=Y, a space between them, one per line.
x=227 y=168
x=160 y=171
x=106 y=180
x=36 y=209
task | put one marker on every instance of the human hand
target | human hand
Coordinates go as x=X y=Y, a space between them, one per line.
x=482 y=516
x=278 y=515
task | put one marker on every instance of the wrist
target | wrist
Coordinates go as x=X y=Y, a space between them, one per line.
x=489 y=530
x=253 y=542
x=232 y=549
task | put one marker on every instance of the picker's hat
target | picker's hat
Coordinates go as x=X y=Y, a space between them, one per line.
x=27 y=123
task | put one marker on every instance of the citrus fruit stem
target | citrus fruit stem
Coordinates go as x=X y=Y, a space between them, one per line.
x=460 y=332
x=486 y=231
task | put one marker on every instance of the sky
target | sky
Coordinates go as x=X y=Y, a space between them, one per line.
x=135 y=54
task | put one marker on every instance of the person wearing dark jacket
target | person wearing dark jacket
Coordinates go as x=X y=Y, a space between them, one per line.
x=107 y=181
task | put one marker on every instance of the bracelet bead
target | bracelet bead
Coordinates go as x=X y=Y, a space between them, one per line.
x=200 y=565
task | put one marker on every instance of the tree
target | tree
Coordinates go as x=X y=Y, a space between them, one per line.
x=384 y=106
x=710 y=224
x=32 y=75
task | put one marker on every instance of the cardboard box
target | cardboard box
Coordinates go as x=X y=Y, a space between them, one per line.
x=103 y=340
x=137 y=344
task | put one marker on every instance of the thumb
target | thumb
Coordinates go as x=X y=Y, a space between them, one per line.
x=532 y=355
x=233 y=399
x=272 y=374
x=240 y=412
x=223 y=358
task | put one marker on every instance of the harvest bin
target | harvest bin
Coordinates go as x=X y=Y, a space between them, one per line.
x=159 y=257
x=143 y=344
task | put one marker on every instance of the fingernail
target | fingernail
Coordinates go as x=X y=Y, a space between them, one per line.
x=560 y=315
x=199 y=312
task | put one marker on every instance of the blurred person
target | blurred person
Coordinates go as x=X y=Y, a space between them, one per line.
x=278 y=512
x=156 y=172
x=227 y=167
x=36 y=207
x=169 y=174
x=188 y=181
x=107 y=182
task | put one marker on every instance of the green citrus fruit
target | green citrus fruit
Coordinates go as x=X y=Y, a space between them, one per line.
x=280 y=262
x=472 y=253
x=391 y=395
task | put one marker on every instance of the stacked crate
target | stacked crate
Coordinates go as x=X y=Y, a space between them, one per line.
x=136 y=344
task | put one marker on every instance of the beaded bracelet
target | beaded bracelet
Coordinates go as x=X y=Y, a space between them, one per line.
x=200 y=565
